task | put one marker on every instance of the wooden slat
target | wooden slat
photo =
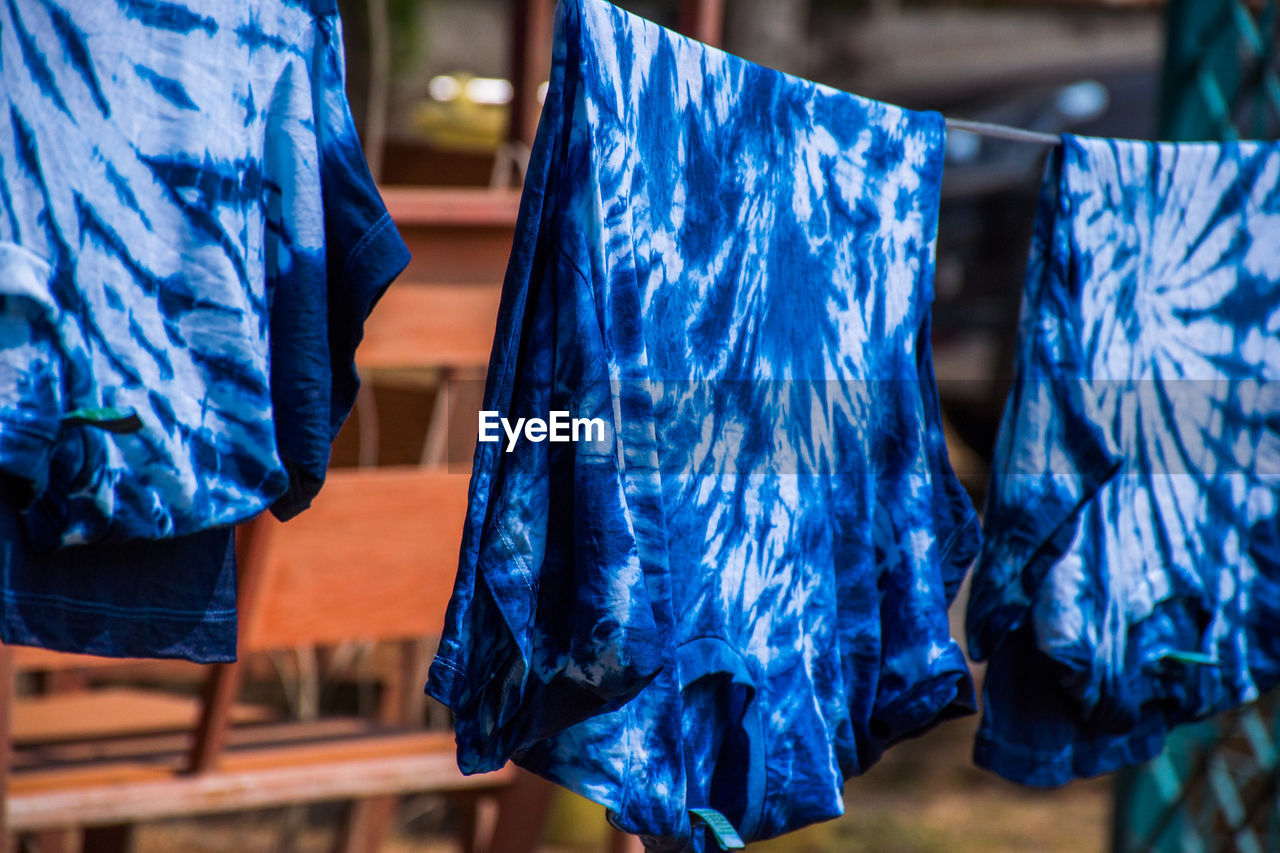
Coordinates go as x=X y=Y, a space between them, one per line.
x=372 y=559
x=169 y=748
x=111 y=712
x=371 y=747
x=30 y=658
x=425 y=206
x=27 y=658
x=456 y=235
x=462 y=254
x=266 y=750
x=129 y=792
x=430 y=325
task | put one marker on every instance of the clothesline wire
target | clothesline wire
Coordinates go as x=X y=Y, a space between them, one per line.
x=1000 y=131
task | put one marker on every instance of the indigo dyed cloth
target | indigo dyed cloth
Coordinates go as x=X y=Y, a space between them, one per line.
x=1132 y=539
x=188 y=236
x=735 y=594
x=167 y=598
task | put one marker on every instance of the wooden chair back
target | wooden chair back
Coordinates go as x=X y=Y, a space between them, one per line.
x=455 y=234
x=373 y=559
x=430 y=326
x=437 y=334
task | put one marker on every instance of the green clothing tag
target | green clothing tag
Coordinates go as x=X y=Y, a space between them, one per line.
x=1195 y=658
x=107 y=418
x=726 y=836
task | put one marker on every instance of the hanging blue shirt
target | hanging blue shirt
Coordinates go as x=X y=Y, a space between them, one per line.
x=176 y=597
x=734 y=594
x=1131 y=523
x=166 y=179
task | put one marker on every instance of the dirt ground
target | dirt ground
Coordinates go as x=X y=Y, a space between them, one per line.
x=926 y=796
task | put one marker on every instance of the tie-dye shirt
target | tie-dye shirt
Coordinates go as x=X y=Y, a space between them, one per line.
x=735 y=594
x=169 y=251
x=1131 y=526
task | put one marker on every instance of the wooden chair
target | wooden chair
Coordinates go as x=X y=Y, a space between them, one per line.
x=75 y=702
x=372 y=559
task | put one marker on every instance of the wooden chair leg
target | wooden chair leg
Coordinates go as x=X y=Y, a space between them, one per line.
x=367 y=825
x=467 y=807
x=7 y=690
x=522 y=815
x=50 y=841
x=108 y=839
x=703 y=20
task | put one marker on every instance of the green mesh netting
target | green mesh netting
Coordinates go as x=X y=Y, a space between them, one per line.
x=1216 y=786
x=1222 y=72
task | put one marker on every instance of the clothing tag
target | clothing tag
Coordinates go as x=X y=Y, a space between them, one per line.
x=107 y=418
x=1194 y=658
x=726 y=836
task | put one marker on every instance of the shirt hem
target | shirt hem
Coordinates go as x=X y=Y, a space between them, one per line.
x=1038 y=769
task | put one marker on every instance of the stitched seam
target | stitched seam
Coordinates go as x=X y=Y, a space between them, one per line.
x=525 y=571
x=132 y=613
x=447 y=664
x=964 y=526
x=369 y=236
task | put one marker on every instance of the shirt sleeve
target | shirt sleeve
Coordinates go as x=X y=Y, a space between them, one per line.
x=1052 y=451
x=320 y=304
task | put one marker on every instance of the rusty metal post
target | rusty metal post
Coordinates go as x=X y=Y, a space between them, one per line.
x=703 y=20
x=531 y=64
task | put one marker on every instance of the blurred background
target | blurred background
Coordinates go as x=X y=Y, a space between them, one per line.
x=446 y=95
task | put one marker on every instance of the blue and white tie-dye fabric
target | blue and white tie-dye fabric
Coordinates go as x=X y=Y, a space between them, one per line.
x=164 y=252
x=1131 y=523
x=735 y=595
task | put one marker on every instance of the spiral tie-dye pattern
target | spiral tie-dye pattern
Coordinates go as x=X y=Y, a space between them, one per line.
x=1130 y=580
